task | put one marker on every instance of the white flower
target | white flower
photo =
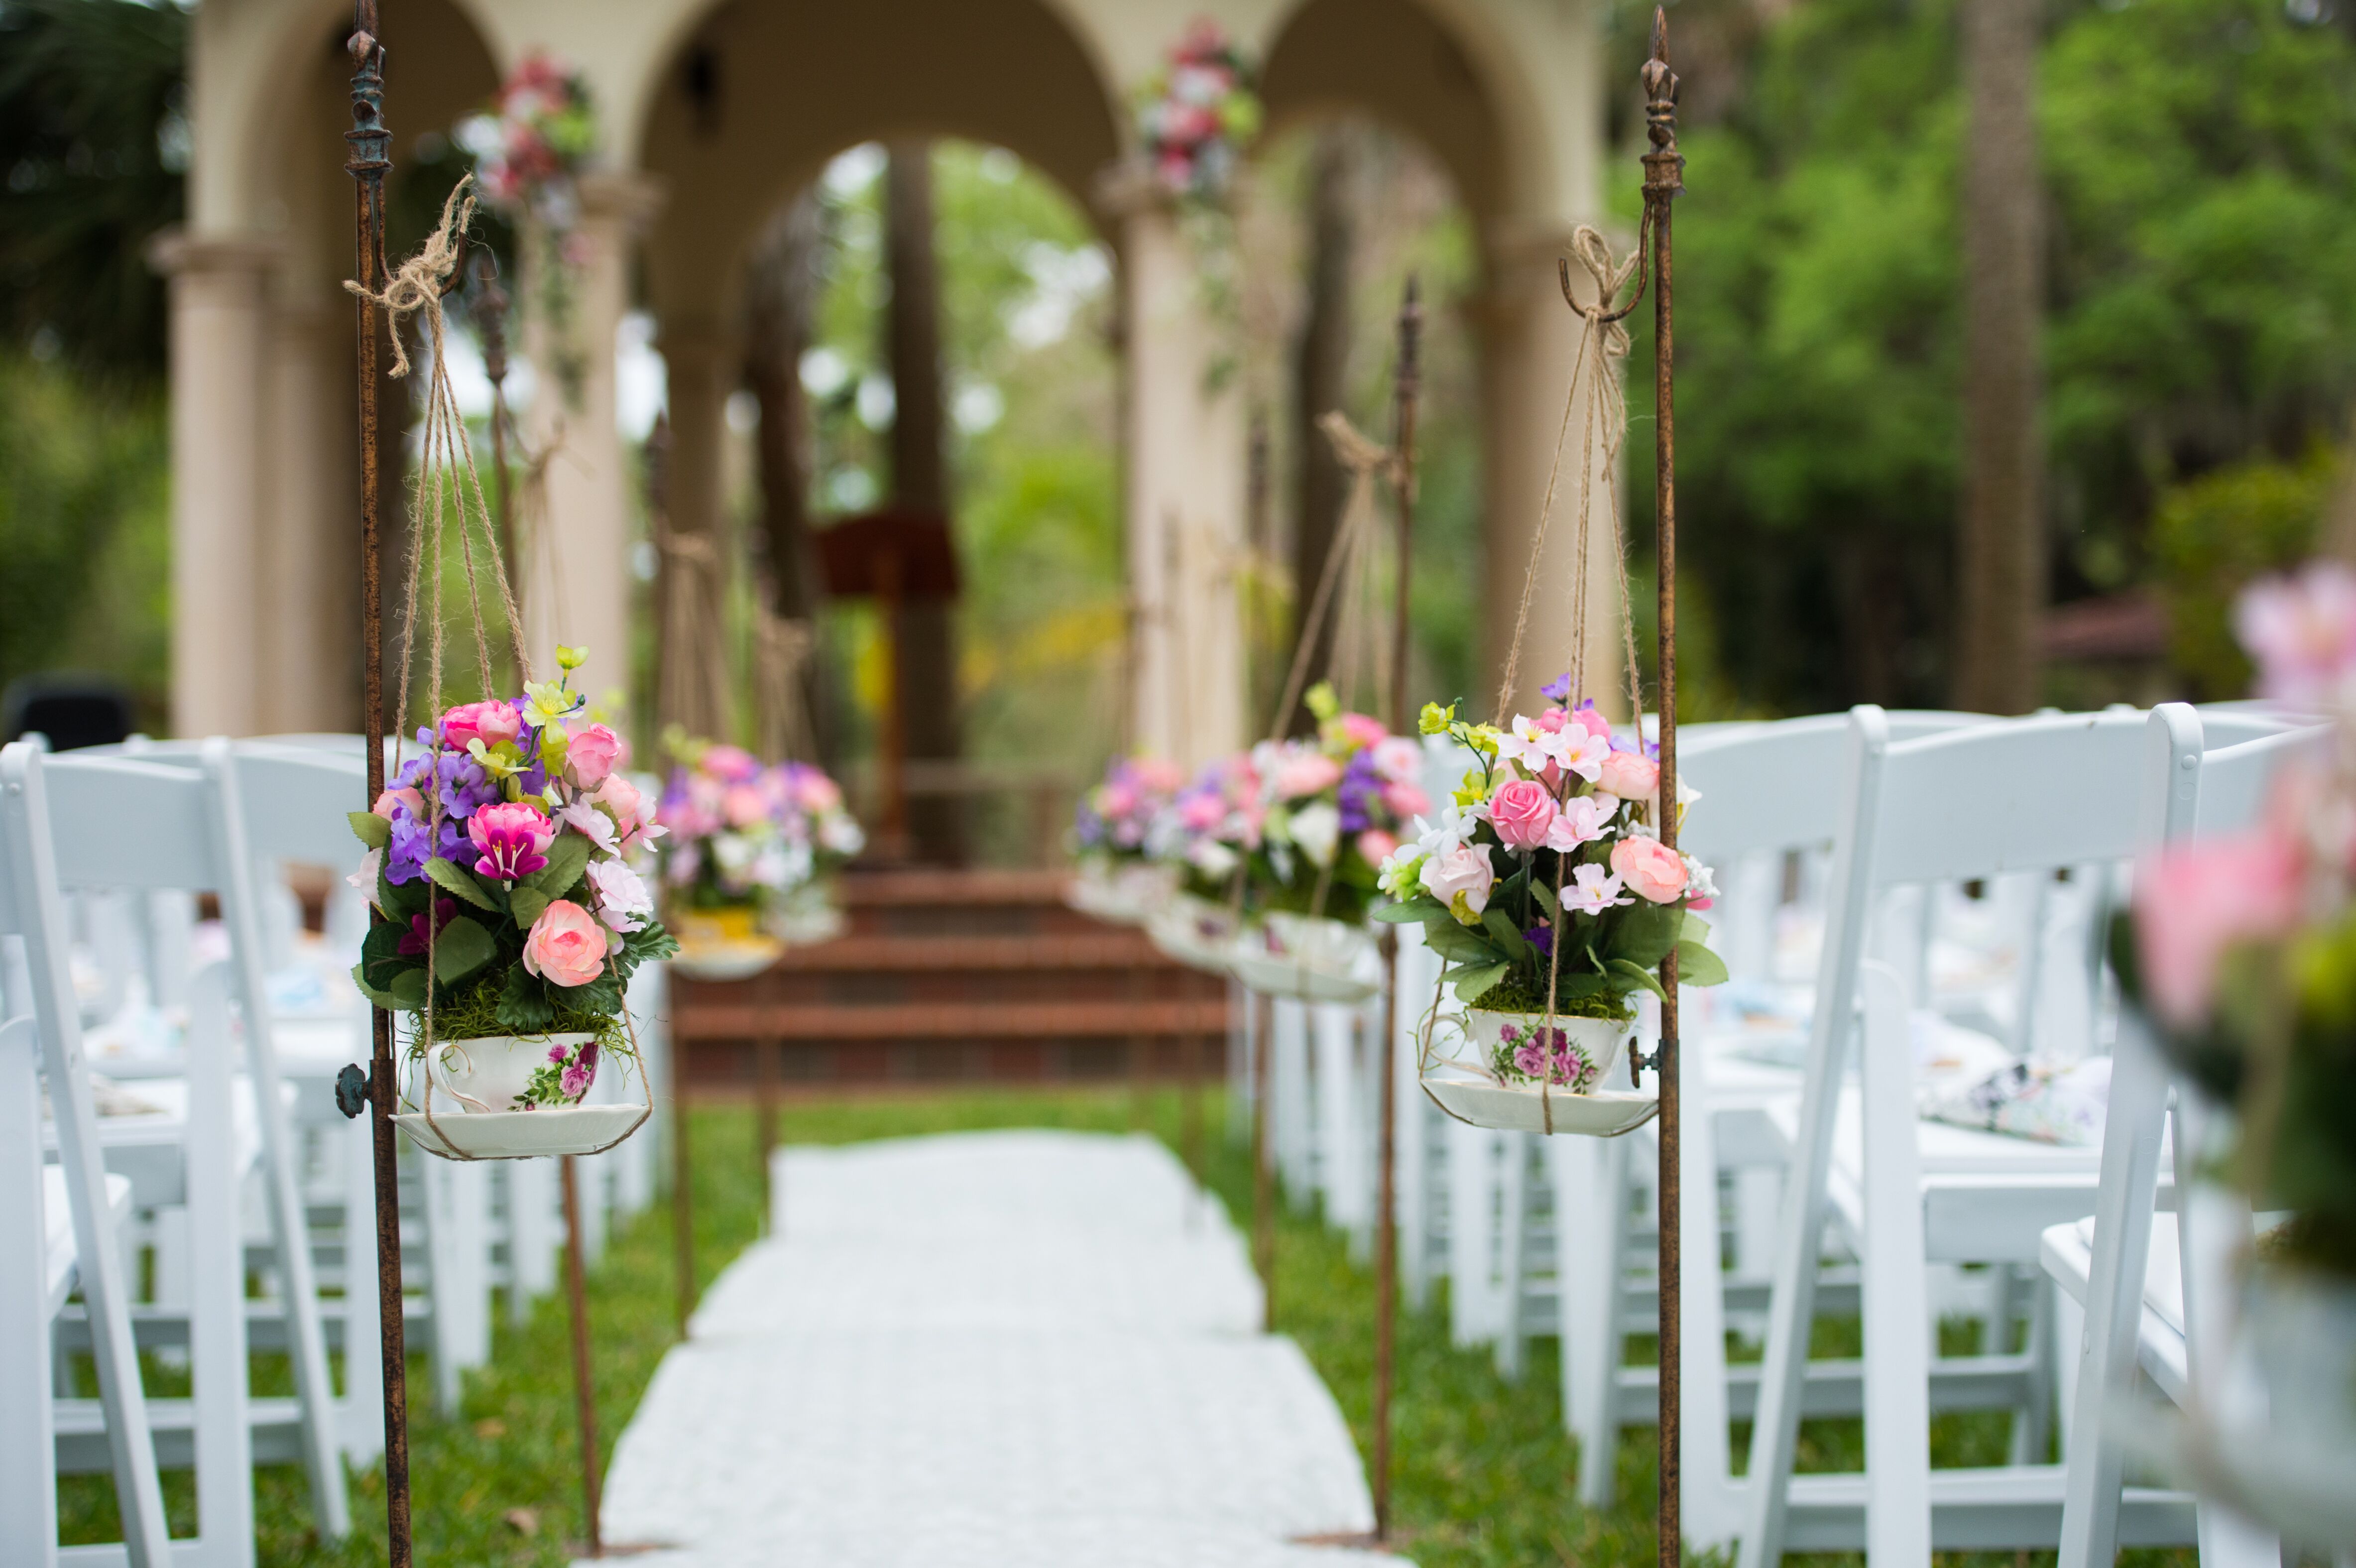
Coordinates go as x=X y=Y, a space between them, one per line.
x=1571 y=748
x=1317 y=829
x=1593 y=890
x=1212 y=858
x=841 y=834
x=1582 y=819
x=622 y=900
x=365 y=878
x=1700 y=883
x=590 y=821
x=1398 y=875
x=1457 y=826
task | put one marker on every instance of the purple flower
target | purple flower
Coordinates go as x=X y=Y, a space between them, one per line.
x=1557 y=690
x=1360 y=793
x=1540 y=937
x=414 y=944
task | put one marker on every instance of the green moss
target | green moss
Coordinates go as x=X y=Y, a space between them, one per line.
x=474 y=1014
x=1519 y=992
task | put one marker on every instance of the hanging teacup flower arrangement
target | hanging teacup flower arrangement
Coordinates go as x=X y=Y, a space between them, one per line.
x=1330 y=809
x=500 y=858
x=530 y=147
x=1199 y=841
x=1120 y=878
x=750 y=862
x=1545 y=891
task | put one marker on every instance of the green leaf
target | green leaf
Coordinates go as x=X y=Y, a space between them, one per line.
x=1413 y=912
x=1697 y=965
x=523 y=1002
x=408 y=990
x=1459 y=944
x=447 y=876
x=376 y=997
x=1629 y=977
x=567 y=857
x=649 y=942
x=1693 y=929
x=1546 y=896
x=399 y=899
x=460 y=949
x=1501 y=926
x=1472 y=983
x=1643 y=933
x=370 y=829
x=527 y=905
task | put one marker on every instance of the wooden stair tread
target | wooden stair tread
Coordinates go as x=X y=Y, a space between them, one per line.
x=889 y=953
x=950 y=1020
x=937 y=885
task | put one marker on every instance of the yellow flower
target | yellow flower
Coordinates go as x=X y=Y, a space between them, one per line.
x=1435 y=719
x=571 y=657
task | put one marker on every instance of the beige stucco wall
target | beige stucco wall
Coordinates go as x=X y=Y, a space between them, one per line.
x=1506 y=93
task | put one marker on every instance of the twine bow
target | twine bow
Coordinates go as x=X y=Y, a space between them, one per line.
x=782 y=650
x=1366 y=460
x=416 y=288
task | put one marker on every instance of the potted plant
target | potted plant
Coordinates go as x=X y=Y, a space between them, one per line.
x=1120 y=877
x=810 y=810
x=1545 y=890
x=2240 y=951
x=1200 y=841
x=511 y=917
x=1329 y=808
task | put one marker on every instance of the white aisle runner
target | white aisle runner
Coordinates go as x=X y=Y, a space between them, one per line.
x=988 y=1351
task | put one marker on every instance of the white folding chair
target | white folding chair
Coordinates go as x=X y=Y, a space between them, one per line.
x=2026 y=796
x=119 y=821
x=2154 y=1323
x=32 y=909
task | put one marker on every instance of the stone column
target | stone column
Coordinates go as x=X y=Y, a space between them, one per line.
x=309 y=570
x=1186 y=459
x=575 y=571
x=220 y=289
x=1531 y=340
x=696 y=358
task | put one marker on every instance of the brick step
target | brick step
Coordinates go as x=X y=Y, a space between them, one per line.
x=960 y=1020
x=895 y=953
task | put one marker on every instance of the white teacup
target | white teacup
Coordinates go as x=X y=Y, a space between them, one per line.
x=494 y=1072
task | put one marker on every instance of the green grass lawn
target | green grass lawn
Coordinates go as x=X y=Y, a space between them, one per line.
x=1484 y=1471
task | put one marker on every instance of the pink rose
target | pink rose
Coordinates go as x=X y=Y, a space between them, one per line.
x=1201 y=813
x=1587 y=718
x=2194 y=901
x=1306 y=773
x=1460 y=877
x=1361 y=731
x=622 y=800
x=408 y=799
x=490 y=723
x=513 y=839
x=731 y=764
x=1629 y=776
x=1406 y=800
x=2301 y=632
x=1649 y=869
x=1399 y=759
x=1552 y=720
x=1374 y=846
x=1521 y=810
x=744 y=806
x=567 y=946
x=591 y=755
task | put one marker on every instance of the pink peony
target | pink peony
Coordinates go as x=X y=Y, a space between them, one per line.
x=1521 y=811
x=490 y=723
x=513 y=839
x=1306 y=773
x=1649 y=869
x=730 y=764
x=567 y=946
x=591 y=755
x=1595 y=724
x=1374 y=846
x=1629 y=776
x=2194 y=901
x=1361 y=731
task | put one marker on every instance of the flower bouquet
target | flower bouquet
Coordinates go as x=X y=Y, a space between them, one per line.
x=1195 y=114
x=1200 y=838
x=2239 y=952
x=750 y=858
x=1329 y=812
x=511 y=919
x=1120 y=878
x=1548 y=895
x=529 y=148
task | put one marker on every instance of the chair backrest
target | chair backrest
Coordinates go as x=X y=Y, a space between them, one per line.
x=1772 y=786
x=120 y=822
x=2234 y=778
x=295 y=800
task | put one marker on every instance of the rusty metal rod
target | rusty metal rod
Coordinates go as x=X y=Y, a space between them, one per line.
x=585 y=1387
x=1263 y=1178
x=367 y=156
x=1404 y=392
x=1664 y=178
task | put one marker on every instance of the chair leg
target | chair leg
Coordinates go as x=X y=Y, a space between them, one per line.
x=29 y=1489
x=1513 y=1243
x=217 y=1349
x=1897 y=1315
x=1591 y=1210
